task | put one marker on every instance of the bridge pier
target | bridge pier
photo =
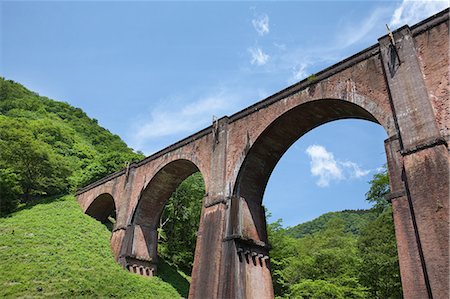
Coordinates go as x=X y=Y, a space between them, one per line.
x=230 y=261
x=138 y=253
x=419 y=170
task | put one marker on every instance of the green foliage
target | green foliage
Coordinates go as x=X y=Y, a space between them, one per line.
x=379 y=188
x=10 y=191
x=348 y=254
x=316 y=289
x=378 y=249
x=176 y=278
x=329 y=257
x=53 y=147
x=283 y=247
x=180 y=221
x=41 y=169
x=354 y=222
x=54 y=250
x=312 y=77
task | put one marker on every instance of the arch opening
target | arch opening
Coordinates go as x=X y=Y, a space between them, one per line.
x=160 y=213
x=276 y=139
x=155 y=195
x=103 y=209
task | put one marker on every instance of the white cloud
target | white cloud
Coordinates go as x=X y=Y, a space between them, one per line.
x=299 y=60
x=411 y=12
x=327 y=168
x=299 y=72
x=261 y=24
x=280 y=46
x=354 y=33
x=164 y=121
x=354 y=169
x=323 y=165
x=258 y=56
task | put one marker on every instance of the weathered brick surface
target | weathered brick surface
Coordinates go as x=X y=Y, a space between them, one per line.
x=430 y=201
x=433 y=52
x=408 y=97
x=412 y=274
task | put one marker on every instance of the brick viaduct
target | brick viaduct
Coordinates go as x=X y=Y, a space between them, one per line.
x=401 y=83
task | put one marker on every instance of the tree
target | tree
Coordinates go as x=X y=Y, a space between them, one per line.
x=41 y=171
x=10 y=191
x=283 y=246
x=49 y=147
x=377 y=246
x=103 y=164
x=318 y=265
x=379 y=270
x=316 y=289
x=379 y=188
x=180 y=221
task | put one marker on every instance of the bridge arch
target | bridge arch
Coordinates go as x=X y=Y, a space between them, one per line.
x=139 y=253
x=158 y=190
x=263 y=155
x=102 y=207
x=268 y=148
x=248 y=219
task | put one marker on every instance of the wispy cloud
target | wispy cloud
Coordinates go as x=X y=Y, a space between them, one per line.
x=163 y=121
x=411 y=12
x=299 y=72
x=300 y=60
x=258 y=57
x=353 y=33
x=356 y=32
x=355 y=171
x=261 y=24
x=327 y=168
x=178 y=116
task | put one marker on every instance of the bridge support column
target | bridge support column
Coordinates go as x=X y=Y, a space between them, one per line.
x=246 y=252
x=207 y=277
x=425 y=164
x=411 y=268
x=229 y=262
x=117 y=238
x=139 y=250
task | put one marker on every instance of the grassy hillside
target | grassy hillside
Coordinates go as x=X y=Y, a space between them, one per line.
x=354 y=221
x=53 y=249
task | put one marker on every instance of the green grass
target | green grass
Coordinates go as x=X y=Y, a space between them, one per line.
x=170 y=274
x=54 y=250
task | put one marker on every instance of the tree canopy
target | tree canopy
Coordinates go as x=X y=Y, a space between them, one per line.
x=49 y=147
x=348 y=254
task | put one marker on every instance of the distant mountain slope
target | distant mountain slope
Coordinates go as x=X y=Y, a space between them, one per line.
x=354 y=221
x=49 y=147
x=54 y=250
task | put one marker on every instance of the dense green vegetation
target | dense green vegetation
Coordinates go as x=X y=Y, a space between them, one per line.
x=179 y=223
x=49 y=147
x=354 y=221
x=349 y=254
x=52 y=249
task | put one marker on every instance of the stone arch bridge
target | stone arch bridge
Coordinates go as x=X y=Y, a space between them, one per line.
x=401 y=83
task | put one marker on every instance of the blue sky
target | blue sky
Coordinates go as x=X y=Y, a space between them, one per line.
x=155 y=72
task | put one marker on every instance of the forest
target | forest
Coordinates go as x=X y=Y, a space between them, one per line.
x=49 y=148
